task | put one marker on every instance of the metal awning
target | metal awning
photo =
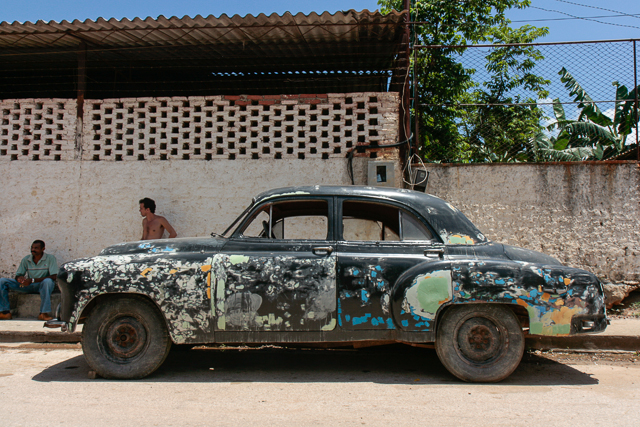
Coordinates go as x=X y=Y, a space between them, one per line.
x=346 y=51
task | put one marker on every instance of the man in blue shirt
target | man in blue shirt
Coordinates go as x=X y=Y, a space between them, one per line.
x=36 y=274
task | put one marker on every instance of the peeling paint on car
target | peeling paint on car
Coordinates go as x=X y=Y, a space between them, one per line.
x=279 y=293
x=182 y=297
x=428 y=293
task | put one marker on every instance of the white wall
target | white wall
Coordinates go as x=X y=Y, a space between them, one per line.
x=79 y=207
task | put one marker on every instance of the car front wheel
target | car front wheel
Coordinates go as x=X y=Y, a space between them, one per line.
x=480 y=343
x=125 y=338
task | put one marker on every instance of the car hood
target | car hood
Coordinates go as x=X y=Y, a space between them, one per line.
x=184 y=244
x=515 y=253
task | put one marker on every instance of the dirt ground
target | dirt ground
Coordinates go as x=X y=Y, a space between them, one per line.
x=583 y=358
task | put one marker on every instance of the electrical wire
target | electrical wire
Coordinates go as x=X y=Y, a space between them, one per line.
x=584 y=19
x=573 y=19
x=596 y=7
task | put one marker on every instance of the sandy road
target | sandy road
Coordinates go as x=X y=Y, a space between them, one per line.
x=383 y=386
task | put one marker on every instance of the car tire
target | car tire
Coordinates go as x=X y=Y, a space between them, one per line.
x=480 y=343
x=125 y=338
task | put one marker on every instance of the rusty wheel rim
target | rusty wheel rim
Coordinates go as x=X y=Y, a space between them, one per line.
x=124 y=339
x=480 y=340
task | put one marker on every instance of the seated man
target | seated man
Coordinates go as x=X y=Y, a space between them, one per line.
x=36 y=274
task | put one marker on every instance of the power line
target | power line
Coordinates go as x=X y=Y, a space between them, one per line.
x=571 y=19
x=600 y=8
x=584 y=19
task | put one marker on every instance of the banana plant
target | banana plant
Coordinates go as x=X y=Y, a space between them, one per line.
x=593 y=135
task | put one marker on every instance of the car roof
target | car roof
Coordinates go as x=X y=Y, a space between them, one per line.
x=410 y=197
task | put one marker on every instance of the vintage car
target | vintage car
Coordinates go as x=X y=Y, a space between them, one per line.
x=329 y=266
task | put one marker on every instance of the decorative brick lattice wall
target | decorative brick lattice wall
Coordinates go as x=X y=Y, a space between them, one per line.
x=37 y=129
x=319 y=126
x=237 y=127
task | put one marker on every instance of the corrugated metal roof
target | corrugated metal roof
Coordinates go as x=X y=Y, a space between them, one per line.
x=346 y=51
x=287 y=28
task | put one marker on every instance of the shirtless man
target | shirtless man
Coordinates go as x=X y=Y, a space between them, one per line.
x=153 y=225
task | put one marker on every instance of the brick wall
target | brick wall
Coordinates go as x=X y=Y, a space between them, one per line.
x=316 y=126
x=37 y=129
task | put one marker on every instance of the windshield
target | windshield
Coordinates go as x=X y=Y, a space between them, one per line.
x=238 y=219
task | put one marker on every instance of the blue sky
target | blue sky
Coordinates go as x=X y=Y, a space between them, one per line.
x=616 y=27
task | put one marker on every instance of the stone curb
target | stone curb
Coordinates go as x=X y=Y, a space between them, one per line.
x=40 y=337
x=586 y=342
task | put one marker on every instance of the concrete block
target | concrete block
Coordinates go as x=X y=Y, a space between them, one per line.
x=28 y=305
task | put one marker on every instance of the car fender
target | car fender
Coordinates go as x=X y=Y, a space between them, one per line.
x=180 y=287
x=552 y=295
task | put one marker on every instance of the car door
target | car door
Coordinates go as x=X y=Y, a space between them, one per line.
x=278 y=270
x=377 y=242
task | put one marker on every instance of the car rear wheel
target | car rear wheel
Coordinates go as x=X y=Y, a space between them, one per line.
x=480 y=343
x=125 y=338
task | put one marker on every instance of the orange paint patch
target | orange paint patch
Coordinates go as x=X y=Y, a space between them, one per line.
x=545 y=296
x=209 y=293
x=567 y=281
x=146 y=271
x=562 y=316
x=205 y=268
x=523 y=302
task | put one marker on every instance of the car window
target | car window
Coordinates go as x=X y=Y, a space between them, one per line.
x=290 y=220
x=413 y=228
x=257 y=225
x=366 y=221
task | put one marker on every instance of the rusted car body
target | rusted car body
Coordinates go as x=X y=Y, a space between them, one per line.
x=333 y=266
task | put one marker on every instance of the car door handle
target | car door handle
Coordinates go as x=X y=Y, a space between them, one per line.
x=322 y=250
x=439 y=252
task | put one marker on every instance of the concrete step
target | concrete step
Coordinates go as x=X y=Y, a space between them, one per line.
x=25 y=306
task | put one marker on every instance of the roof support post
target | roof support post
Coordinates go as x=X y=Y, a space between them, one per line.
x=635 y=85
x=82 y=86
x=405 y=94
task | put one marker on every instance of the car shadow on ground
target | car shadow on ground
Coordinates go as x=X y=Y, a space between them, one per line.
x=395 y=364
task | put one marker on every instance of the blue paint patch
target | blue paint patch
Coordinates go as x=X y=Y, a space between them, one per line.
x=374 y=274
x=500 y=282
x=378 y=268
x=347 y=318
x=144 y=245
x=358 y=320
x=356 y=272
x=533 y=293
x=363 y=295
x=405 y=323
x=339 y=313
x=390 y=324
x=374 y=322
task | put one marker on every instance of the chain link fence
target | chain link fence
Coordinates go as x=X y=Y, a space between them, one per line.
x=527 y=103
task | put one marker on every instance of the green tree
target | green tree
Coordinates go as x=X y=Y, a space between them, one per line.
x=500 y=124
x=442 y=81
x=593 y=135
